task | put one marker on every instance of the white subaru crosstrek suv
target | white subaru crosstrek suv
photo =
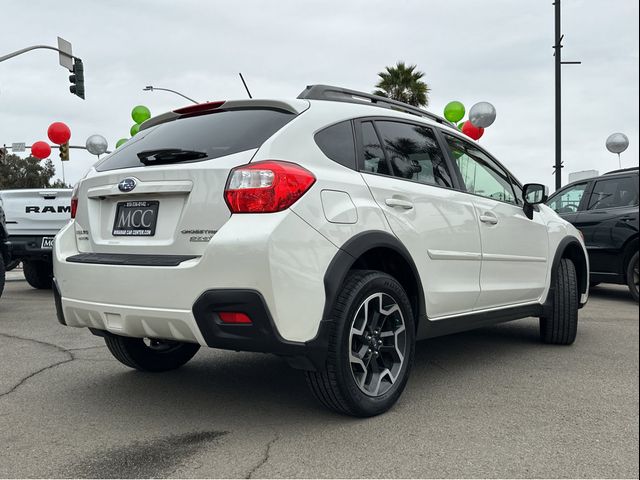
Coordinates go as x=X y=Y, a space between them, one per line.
x=334 y=230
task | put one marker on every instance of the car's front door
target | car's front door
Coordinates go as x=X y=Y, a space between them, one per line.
x=515 y=249
x=569 y=202
x=410 y=179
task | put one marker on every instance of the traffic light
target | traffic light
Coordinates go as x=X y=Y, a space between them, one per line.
x=77 y=79
x=64 y=151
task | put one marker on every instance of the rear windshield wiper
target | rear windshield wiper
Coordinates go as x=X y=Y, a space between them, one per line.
x=169 y=155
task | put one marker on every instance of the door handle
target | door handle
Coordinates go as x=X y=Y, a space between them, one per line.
x=396 y=202
x=489 y=218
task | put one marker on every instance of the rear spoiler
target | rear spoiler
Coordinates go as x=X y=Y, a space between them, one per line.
x=294 y=106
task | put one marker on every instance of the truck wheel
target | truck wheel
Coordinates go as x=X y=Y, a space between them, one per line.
x=561 y=326
x=11 y=265
x=150 y=355
x=39 y=273
x=632 y=276
x=371 y=348
x=2 y=274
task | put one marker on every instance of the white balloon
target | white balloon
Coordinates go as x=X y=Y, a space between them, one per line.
x=617 y=143
x=96 y=144
x=482 y=114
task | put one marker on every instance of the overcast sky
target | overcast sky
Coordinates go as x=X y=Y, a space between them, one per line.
x=470 y=50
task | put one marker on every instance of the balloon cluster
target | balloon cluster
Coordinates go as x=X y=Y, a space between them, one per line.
x=58 y=133
x=481 y=116
x=139 y=114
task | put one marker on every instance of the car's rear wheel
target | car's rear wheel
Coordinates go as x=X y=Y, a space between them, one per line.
x=561 y=325
x=633 y=276
x=39 y=273
x=371 y=348
x=2 y=274
x=149 y=355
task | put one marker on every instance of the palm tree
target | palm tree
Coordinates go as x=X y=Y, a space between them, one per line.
x=403 y=83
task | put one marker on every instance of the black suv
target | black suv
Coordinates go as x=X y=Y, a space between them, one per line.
x=4 y=249
x=605 y=210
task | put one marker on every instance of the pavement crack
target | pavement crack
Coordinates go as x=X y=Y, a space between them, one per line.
x=33 y=374
x=438 y=365
x=264 y=459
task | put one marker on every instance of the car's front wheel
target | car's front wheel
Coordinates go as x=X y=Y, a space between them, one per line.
x=633 y=276
x=560 y=325
x=150 y=355
x=371 y=348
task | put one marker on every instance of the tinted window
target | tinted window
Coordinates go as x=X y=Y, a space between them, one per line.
x=614 y=192
x=217 y=134
x=374 y=160
x=414 y=153
x=481 y=175
x=336 y=142
x=568 y=200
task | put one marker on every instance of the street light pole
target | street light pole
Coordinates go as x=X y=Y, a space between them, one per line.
x=558 y=74
x=150 y=88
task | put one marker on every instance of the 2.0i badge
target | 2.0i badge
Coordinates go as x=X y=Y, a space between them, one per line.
x=127 y=185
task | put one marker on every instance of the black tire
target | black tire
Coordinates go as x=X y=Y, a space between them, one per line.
x=632 y=276
x=159 y=356
x=2 y=274
x=561 y=326
x=39 y=273
x=11 y=265
x=336 y=386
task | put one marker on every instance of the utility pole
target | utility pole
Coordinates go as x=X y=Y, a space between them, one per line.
x=558 y=67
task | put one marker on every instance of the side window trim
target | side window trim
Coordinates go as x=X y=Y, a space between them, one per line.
x=463 y=187
x=360 y=149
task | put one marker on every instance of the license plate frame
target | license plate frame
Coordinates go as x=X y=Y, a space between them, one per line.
x=134 y=224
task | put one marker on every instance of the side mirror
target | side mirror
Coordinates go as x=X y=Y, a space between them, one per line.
x=534 y=194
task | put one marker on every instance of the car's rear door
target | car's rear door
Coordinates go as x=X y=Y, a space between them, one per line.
x=515 y=249
x=607 y=222
x=411 y=180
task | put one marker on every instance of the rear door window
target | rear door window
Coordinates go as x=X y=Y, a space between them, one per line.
x=374 y=160
x=614 y=192
x=337 y=143
x=217 y=134
x=414 y=153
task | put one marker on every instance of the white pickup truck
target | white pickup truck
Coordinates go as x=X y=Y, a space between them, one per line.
x=33 y=217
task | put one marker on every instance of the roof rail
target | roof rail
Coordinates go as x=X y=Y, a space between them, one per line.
x=622 y=170
x=339 y=94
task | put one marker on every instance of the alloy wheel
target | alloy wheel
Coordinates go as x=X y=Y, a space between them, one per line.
x=378 y=344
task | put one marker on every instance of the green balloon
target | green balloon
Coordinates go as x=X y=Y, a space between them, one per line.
x=134 y=129
x=460 y=125
x=121 y=141
x=140 y=113
x=454 y=111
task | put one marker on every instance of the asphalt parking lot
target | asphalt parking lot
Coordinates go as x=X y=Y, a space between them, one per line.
x=489 y=403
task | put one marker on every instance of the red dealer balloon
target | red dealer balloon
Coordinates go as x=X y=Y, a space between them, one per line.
x=59 y=133
x=40 y=150
x=470 y=130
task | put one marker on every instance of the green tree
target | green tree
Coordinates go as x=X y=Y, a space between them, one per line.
x=403 y=83
x=29 y=172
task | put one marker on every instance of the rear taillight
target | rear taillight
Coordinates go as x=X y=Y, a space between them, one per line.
x=74 y=201
x=266 y=187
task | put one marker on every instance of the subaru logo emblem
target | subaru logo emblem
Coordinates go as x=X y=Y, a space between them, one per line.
x=127 y=185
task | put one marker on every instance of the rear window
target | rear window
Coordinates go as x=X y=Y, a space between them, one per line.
x=224 y=132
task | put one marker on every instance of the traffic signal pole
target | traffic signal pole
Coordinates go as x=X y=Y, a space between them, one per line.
x=66 y=59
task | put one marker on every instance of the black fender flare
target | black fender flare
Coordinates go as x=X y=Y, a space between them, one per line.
x=581 y=268
x=353 y=249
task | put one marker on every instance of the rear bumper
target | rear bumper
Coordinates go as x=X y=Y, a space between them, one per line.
x=200 y=325
x=29 y=247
